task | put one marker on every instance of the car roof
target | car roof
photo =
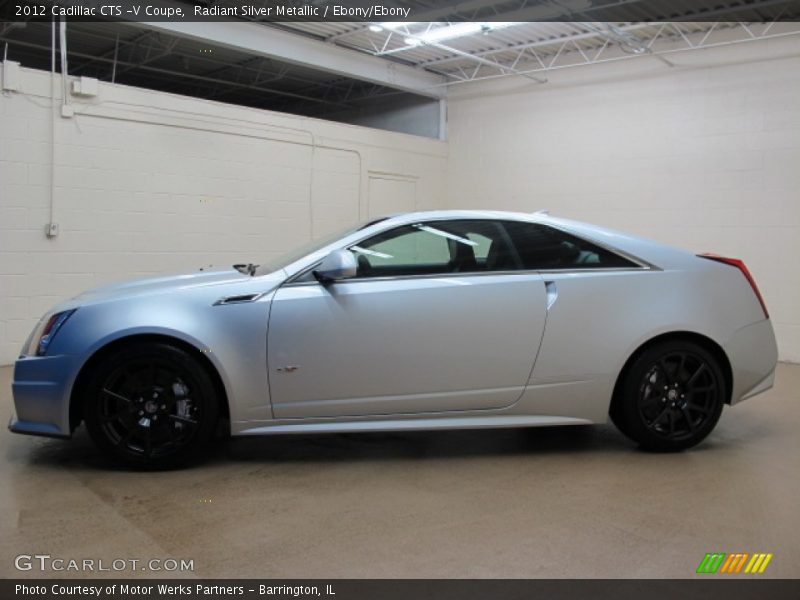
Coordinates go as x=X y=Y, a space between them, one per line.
x=465 y=214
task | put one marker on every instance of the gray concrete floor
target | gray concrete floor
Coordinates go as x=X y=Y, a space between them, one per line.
x=561 y=502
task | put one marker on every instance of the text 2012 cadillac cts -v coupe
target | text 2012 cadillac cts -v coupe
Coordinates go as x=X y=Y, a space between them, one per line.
x=430 y=320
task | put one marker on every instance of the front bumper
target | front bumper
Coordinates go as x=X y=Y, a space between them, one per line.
x=41 y=390
x=35 y=428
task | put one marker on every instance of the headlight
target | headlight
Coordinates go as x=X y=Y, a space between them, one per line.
x=45 y=331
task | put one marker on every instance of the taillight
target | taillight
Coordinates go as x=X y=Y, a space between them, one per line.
x=739 y=264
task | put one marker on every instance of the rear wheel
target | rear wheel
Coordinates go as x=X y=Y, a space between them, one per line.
x=151 y=405
x=671 y=396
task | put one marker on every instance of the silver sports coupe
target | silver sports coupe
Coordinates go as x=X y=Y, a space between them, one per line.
x=428 y=320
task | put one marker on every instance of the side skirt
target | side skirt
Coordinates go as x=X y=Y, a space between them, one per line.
x=402 y=424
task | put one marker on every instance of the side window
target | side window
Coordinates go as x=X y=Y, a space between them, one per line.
x=408 y=250
x=482 y=245
x=543 y=247
x=437 y=247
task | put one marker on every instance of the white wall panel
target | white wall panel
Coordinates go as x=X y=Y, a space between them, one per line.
x=705 y=156
x=147 y=182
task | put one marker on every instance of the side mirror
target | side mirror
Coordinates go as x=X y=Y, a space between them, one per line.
x=339 y=264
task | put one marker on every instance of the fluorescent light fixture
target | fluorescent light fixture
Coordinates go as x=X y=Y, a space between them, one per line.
x=450 y=32
x=374 y=28
x=395 y=25
x=455 y=30
x=449 y=236
x=410 y=41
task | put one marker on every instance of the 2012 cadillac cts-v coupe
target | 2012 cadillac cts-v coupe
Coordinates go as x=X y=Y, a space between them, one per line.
x=429 y=320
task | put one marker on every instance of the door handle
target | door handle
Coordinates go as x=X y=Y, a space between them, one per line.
x=552 y=293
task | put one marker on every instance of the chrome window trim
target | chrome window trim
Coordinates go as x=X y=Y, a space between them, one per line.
x=642 y=265
x=635 y=269
x=543 y=272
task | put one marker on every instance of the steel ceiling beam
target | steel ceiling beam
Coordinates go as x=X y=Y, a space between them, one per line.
x=443 y=10
x=479 y=60
x=113 y=50
x=589 y=35
x=550 y=62
x=468 y=10
x=577 y=10
x=175 y=75
x=176 y=52
x=261 y=40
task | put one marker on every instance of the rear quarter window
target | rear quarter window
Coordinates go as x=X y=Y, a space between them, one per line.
x=541 y=247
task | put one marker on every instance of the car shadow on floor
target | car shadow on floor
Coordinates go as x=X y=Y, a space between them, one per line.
x=411 y=445
x=81 y=453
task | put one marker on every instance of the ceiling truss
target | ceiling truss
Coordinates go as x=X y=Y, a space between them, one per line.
x=321 y=67
x=667 y=39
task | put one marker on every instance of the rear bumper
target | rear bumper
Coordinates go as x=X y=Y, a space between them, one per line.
x=753 y=354
x=41 y=390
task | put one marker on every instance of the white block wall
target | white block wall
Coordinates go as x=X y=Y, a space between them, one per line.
x=705 y=156
x=147 y=182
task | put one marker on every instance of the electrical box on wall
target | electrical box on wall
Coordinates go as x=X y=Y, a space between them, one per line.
x=85 y=86
x=11 y=76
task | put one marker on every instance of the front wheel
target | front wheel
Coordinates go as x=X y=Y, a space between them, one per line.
x=151 y=405
x=670 y=397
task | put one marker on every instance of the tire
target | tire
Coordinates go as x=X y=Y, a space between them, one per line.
x=670 y=397
x=151 y=406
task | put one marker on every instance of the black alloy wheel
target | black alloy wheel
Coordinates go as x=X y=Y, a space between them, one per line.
x=671 y=396
x=151 y=405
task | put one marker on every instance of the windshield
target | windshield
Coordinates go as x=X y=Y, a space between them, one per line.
x=310 y=247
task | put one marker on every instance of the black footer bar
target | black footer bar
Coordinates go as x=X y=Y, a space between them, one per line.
x=400 y=589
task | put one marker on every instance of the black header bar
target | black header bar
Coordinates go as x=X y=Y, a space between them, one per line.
x=399 y=10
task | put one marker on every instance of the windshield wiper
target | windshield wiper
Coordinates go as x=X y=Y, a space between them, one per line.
x=246 y=269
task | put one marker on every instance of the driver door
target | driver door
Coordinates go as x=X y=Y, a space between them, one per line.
x=439 y=318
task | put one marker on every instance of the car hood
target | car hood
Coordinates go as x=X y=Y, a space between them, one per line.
x=168 y=283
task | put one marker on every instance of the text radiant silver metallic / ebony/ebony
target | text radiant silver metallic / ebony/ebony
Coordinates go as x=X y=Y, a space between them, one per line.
x=447 y=319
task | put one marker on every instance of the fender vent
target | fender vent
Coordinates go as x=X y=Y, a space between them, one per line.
x=238 y=299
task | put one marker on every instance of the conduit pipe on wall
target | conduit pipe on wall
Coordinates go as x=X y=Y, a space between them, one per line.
x=64 y=73
x=51 y=230
x=210 y=121
x=52 y=126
